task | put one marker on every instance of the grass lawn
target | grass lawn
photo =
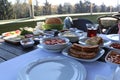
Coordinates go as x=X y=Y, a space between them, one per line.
x=16 y=25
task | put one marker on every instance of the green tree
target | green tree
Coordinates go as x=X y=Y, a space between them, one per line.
x=60 y=9
x=47 y=8
x=95 y=9
x=77 y=10
x=21 y=10
x=6 y=10
x=36 y=9
x=103 y=8
x=81 y=7
x=67 y=8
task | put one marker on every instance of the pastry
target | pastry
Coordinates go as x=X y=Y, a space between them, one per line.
x=94 y=41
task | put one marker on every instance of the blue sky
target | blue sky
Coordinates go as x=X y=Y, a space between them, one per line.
x=98 y=2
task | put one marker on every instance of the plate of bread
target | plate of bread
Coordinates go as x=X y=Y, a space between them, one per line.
x=94 y=41
x=87 y=53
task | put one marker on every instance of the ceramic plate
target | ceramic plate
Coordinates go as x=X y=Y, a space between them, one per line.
x=13 y=39
x=114 y=37
x=100 y=53
x=57 y=68
x=82 y=41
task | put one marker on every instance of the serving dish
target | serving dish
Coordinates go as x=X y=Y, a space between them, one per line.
x=11 y=33
x=54 y=43
x=27 y=42
x=54 y=68
x=113 y=58
x=99 y=54
x=105 y=42
x=114 y=46
x=113 y=37
x=72 y=36
x=37 y=38
x=13 y=39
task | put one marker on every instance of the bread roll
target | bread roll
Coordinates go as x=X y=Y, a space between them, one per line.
x=53 y=21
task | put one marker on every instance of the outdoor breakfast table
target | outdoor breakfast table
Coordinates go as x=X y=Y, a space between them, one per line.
x=10 y=69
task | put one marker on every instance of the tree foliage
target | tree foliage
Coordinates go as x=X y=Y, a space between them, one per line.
x=6 y=10
x=60 y=9
x=21 y=10
x=47 y=8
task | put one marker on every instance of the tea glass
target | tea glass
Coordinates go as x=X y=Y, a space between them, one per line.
x=92 y=30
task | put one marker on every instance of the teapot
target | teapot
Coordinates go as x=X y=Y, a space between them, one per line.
x=68 y=22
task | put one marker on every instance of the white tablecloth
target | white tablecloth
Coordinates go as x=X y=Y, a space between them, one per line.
x=9 y=70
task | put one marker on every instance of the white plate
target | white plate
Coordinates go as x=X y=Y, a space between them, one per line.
x=99 y=54
x=57 y=68
x=106 y=42
x=114 y=37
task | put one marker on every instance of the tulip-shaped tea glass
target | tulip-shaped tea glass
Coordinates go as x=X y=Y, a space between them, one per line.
x=92 y=30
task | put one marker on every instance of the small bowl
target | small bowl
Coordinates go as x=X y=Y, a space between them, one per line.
x=27 y=42
x=113 y=59
x=54 y=43
x=72 y=36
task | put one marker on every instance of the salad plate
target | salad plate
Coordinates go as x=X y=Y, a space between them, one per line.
x=99 y=54
x=54 y=68
x=13 y=39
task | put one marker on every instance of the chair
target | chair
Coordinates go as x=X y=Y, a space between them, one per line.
x=106 y=22
x=113 y=30
x=117 y=15
x=80 y=23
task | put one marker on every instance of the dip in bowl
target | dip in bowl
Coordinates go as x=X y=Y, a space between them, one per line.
x=54 y=43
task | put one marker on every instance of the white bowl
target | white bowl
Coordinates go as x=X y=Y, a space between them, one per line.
x=51 y=43
x=111 y=61
x=27 y=42
x=72 y=36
